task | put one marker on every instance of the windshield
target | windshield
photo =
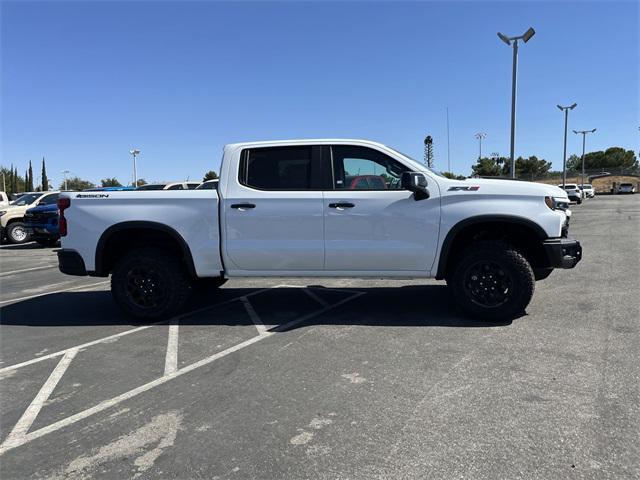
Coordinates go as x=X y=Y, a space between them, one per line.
x=26 y=199
x=435 y=172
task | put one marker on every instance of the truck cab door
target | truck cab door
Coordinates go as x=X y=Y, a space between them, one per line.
x=273 y=211
x=371 y=224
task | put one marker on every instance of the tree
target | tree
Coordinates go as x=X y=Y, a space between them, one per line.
x=110 y=182
x=12 y=182
x=453 y=176
x=531 y=167
x=76 y=183
x=30 y=187
x=611 y=158
x=210 y=175
x=486 y=167
x=44 y=180
x=140 y=182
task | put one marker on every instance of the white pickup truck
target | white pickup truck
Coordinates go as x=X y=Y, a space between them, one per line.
x=321 y=208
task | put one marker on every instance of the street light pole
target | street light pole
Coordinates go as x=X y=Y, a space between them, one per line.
x=480 y=136
x=564 y=155
x=584 y=134
x=513 y=41
x=135 y=152
x=65 y=172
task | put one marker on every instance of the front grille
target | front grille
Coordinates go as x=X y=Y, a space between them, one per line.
x=40 y=217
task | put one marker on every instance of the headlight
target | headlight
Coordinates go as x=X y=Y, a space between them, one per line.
x=557 y=203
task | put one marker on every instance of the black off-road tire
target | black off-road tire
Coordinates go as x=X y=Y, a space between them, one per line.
x=150 y=284
x=12 y=233
x=492 y=280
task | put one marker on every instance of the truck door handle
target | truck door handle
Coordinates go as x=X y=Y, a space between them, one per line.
x=342 y=205
x=243 y=205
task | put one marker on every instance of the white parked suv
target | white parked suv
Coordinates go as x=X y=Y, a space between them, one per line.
x=626 y=188
x=300 y=208
x=573 y=192
x=587 y=190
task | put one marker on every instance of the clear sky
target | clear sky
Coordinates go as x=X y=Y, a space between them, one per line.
x=83 y=82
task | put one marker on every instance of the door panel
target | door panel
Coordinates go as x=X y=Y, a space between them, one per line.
x=273 y=218
x=379 y=226
x=382 y=231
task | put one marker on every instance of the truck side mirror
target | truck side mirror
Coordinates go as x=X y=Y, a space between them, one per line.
x=415 y=182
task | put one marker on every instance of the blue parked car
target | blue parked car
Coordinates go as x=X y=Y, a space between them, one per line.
x=41 y=223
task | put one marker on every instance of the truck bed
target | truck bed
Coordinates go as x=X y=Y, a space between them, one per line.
x=192 y=214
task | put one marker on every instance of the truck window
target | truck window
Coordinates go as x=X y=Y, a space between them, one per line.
x=49 y=199
x=178 y=186
x=276 y=168
x=362 y=168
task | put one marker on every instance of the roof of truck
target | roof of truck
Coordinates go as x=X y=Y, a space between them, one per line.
x=304 y=141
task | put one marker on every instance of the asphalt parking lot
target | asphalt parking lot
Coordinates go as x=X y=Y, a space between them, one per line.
x=308 y=378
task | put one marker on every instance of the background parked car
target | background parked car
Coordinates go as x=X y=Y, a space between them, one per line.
x=109 y=189
x=587 y=190
x=626 y=188
x=170 y=186
x=12 y=217
x=208 y=185
x=41 y=223
x=573 y=192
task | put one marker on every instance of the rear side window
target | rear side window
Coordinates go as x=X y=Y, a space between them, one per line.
x=277 y=168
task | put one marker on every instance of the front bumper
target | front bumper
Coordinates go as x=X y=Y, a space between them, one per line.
x=71 y=263
x=562 y=252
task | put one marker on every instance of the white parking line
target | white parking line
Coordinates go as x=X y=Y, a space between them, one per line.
x=171 y=358
x=80 y=287
x=262 y=329
x=26 y=420
x=315 y=297
x=126 y=332
x=18 y=441
x=13 y=272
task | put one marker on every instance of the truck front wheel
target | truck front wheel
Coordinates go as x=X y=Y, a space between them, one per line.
x=149 y=284
x=492 y=281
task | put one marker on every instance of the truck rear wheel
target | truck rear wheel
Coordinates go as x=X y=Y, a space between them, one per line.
x=492 y=281
x=149 y=284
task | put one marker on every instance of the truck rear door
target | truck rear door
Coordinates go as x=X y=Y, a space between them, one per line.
x=273 y=210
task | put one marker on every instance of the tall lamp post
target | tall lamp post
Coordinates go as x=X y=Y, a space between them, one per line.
x=584 y=134
x=65 y=172
x=513 y=41
x=564 y=155
x=480 y=136
x=135 y=152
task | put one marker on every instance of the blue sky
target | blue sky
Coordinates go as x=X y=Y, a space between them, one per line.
x=82 y=82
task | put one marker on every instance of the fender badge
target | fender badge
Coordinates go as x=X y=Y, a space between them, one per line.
x=464 y=188
x=92 y=195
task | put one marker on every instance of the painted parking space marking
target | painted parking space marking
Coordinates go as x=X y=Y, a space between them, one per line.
x=171 y=358
x=32 y=269
x=20 y=434
x=26 y=420
x=62 y=290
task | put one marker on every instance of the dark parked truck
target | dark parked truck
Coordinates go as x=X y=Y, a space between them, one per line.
x=292 y=208
x=41 y=223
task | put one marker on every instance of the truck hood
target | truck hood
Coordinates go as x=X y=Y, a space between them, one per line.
x=507 y=187
x=43 y=208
